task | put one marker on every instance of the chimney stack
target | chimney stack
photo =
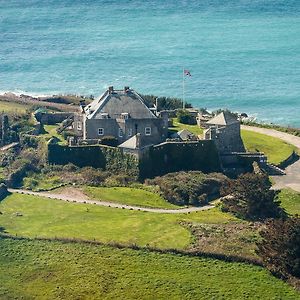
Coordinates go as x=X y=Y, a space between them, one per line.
x=110 y=89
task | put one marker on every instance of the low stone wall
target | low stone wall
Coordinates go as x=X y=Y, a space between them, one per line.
x=53 y=118
x=179 y=156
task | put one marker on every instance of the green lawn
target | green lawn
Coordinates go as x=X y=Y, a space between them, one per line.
x=51 y=132
x=13 y=107
x=276 y=149
x=56 y=270
x=290 y=201
x=50 y=218
x=177 y=126
x=129 y=196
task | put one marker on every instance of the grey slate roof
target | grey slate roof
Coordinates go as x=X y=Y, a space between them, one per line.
x=118 y=102
x=224 y=118
x=184 y=135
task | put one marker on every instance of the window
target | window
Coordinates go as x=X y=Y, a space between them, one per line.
x=120 y=132
x=79 y=126
x=130 y=132
x=100 y=131
x=148 y=131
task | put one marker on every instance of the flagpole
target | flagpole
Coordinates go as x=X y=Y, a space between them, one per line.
x=183 y=87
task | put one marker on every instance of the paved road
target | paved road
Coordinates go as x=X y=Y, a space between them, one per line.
x=111 y=204
x=292 y=177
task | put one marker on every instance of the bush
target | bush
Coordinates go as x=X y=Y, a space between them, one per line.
x=189 y=188
x=251 y=198
x=93 y=176
x=280 y=247
x=185 y=117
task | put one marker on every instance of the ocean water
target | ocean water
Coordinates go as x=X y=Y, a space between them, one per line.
x=243 y=54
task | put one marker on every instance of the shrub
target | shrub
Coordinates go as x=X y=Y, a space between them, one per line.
x=280 y=247
x=93 y=176
x=185 y=117
x=251 y=197
x=189 y=188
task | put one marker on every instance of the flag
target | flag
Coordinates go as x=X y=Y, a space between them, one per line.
x=187 y=72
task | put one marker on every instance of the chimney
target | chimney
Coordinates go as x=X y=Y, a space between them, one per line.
x=126 y=89
x=138 y=141
x=110 y=89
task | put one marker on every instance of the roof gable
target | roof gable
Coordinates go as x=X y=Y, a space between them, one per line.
x=224 y=118
x=117 y=102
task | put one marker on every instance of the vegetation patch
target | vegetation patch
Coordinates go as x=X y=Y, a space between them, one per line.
x=280 y=248
x=128 y=196
x=250 y=197
x=276 y=149
x=232 y=239
x=189 y=188
x=290 y=201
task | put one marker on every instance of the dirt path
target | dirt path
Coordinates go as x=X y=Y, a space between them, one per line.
x=75 y=199
x=292 y=178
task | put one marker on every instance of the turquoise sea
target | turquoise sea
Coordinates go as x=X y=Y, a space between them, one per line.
x=243 y=54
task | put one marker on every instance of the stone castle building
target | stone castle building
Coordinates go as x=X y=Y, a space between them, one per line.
x=224 y=129
x=121 y=114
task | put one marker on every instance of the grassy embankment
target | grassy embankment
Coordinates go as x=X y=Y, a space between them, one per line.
x=129 y=196
x=56 y=270
x=12 y=107
x=290 y=201
x=276 y=149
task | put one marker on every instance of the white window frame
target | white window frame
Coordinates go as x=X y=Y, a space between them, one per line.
x=130 y=132
x=148 y=131
x=120 y=132
x=101 y=131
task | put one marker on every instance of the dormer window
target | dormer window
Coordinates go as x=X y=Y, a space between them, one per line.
x=104 y=115
x=124 y=116
x=120 y=132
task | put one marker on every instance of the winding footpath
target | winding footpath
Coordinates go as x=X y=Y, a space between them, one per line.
x=292 y=178
x=111 y=204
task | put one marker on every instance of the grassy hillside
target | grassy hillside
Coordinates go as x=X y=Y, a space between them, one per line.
x=290 y=201
x=177 y=126
x=12 y=107
x=54 y=218
x=56 y=270
x=276 y=149
x=129 y=196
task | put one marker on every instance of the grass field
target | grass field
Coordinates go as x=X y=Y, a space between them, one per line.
x=290 y=201
x=129 y=196
x=13 y=107
x=276 y=149
x=56 y=270
x=53 y=218
x=192 y=128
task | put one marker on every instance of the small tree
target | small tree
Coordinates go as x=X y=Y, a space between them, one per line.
x=251 y=198
x=280 y=247
x=185 y=117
